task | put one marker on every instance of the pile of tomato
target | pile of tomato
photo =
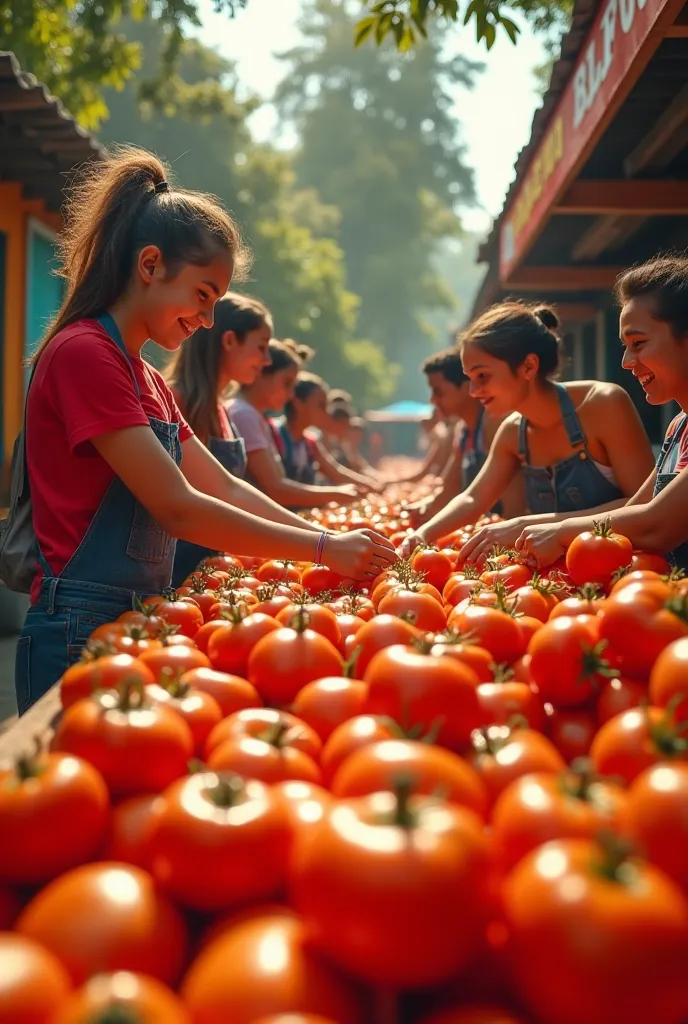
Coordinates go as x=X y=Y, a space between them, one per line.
x=458 y=795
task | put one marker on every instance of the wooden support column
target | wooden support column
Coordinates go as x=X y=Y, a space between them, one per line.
x=13 y=225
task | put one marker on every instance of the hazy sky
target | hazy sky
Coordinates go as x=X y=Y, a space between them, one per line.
x=496 y=115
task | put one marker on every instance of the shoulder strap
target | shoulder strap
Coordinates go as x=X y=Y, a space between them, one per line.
x=523 y=452
x=570 y=416
x=108 y=323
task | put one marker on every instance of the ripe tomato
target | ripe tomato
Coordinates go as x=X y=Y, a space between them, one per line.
x=127 y=995
x=595 y=555
x=49 y=795
x=33 y=982
x=316 y=579
x=656 y=818
x=493 y=629
x=232 y=978
x=314 y=616
x=376 y=766
x=169 y=663
x=207 y=629
x=567 y=805
x=276 y=571
x=589 y=601
x=157 y=742
x=536 y=599
x=429 y=691
x=626 y=914
x=134 y=641
x=10 y=906
x=476 y=1013
x=226 y=563
x=284 y=661
x=349 y=737
x=218 y=841
x=434 y=565
x=453 y=645
x=381 y=632
x=619 y=695
x=639 y=620
x=393 y=888
x=183 y=613
x=349 y=626
x=118 y=921
x=505 y=696
x=200 y=711
x=104 y=673
x=129 y=830
x=266 y=724
x=294 y=1018
x=231 y=692
x=326 y=703
x=650 y=560
x=566 y=661
x=269 y=762
x=459 y=586
x=230 y=646
x=423 y=610
x=512 y=577
x=571 y=730
x=669 y=679
x=502 y=754
x=635 y=740
x=303 y=803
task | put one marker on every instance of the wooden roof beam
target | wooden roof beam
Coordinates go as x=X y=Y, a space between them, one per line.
x=625 y=198
x=665 y=140
x=562 y=279
x=605 y=233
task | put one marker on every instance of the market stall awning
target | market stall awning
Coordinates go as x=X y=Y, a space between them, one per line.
x=401 y=411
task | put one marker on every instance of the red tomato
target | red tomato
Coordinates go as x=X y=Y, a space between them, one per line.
x=650 y=560
x=118 y=921
x=501 y=754
x=326 y=703
x=381 y=632
x=266 y=724
x=669 y=679
x=316 y=579
x=303 y=803
x=349 y=626
x=656 y=818
x=284 y=661
x=105 y=673
x=158 y=743
x=376 y=766
x=595 y=555
x=232 y=978
x=218 y=841
x=625 y=914
x=566 y=661
x=230 y=646
x=453 y=645
x=49 y=795
x=393 y=889
x=476 y=1013
x=422 y=609
x=268 y=762
x=123 y=994
x=275 y=571
x=571 y=730
x=314 y=616
x=493 y=629
x=638 y=623
x=427 y=691
x=129 y=832
x=200 y=711
x=504 y=697
x=183 y=613
x=588 y=602
x=173 y=661
x=349 y=737
x=635 y=740
x=231 y=692
x=33 y=982
x=536 y=808
x=619 y=695
x=10 y=906
x=435 y=566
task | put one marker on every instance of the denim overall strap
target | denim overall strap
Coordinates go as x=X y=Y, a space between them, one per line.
x=231 y=454
x=679 y=556
x=569 y=415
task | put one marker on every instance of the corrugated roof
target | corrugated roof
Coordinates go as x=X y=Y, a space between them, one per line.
x=40 y=142
x=584 y=12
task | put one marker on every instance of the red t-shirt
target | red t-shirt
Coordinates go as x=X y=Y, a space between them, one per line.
x=678 y=457
x=82 y=388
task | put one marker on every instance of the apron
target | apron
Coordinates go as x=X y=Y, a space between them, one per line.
x=231 y=454
x=473 y=455
x=125 y=553
x=678 y=557
x=571 y=485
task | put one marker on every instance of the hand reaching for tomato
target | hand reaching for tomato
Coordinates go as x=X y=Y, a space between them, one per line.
x=480 y=544
x=359 y=554
x=541 y=544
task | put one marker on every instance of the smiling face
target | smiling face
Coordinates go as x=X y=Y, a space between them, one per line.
x=652 y=353
x=312 y=410
x=277 y=388
x=244 y=359
x=452 y=401
x=492 y=381
x=177 y=304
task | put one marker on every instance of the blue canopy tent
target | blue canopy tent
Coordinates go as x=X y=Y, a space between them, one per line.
x=400 y=412
x=397 y=424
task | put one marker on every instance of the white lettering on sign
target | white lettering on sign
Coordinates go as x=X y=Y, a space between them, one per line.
x=597 y=60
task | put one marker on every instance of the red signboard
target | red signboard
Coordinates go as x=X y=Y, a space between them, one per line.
x=615 y=39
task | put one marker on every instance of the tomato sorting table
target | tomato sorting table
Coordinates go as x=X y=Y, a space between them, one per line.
x=19 y=735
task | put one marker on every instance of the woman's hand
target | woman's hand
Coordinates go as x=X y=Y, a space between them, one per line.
x=358 y=554
x=480 y=544
x=541 y=544
x=413 y=541
x=347 y=493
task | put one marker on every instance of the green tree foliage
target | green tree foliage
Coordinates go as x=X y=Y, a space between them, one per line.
x=379 y=140
x=299 y=268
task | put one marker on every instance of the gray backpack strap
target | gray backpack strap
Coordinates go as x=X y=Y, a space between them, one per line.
x=19 y=553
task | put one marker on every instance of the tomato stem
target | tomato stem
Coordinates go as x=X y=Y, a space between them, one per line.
x=226 y=790
x=117 y=1013
x=27 y=765
x=402 y=788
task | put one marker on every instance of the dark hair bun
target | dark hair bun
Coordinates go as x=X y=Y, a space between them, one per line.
x=547 y=317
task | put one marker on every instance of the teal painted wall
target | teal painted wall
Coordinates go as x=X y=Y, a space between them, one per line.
x=44 y=290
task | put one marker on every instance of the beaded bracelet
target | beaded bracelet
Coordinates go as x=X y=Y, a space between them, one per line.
x=320 y=547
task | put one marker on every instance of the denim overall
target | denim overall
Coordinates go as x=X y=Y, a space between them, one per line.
x=231 y=454
x=679 y=557
x=124 y=553
x=301 y=474
x=571 y=485
x=473 y=457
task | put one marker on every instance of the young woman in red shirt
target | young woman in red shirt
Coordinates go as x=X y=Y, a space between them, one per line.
x=115 y=472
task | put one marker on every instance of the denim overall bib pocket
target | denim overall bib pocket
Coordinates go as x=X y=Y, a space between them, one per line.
x=679 y=556
x=571 y=485
x=125 y=552
x=231 y=454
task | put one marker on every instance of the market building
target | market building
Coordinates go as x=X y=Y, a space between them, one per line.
x=39 y=144
x=603 y=182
